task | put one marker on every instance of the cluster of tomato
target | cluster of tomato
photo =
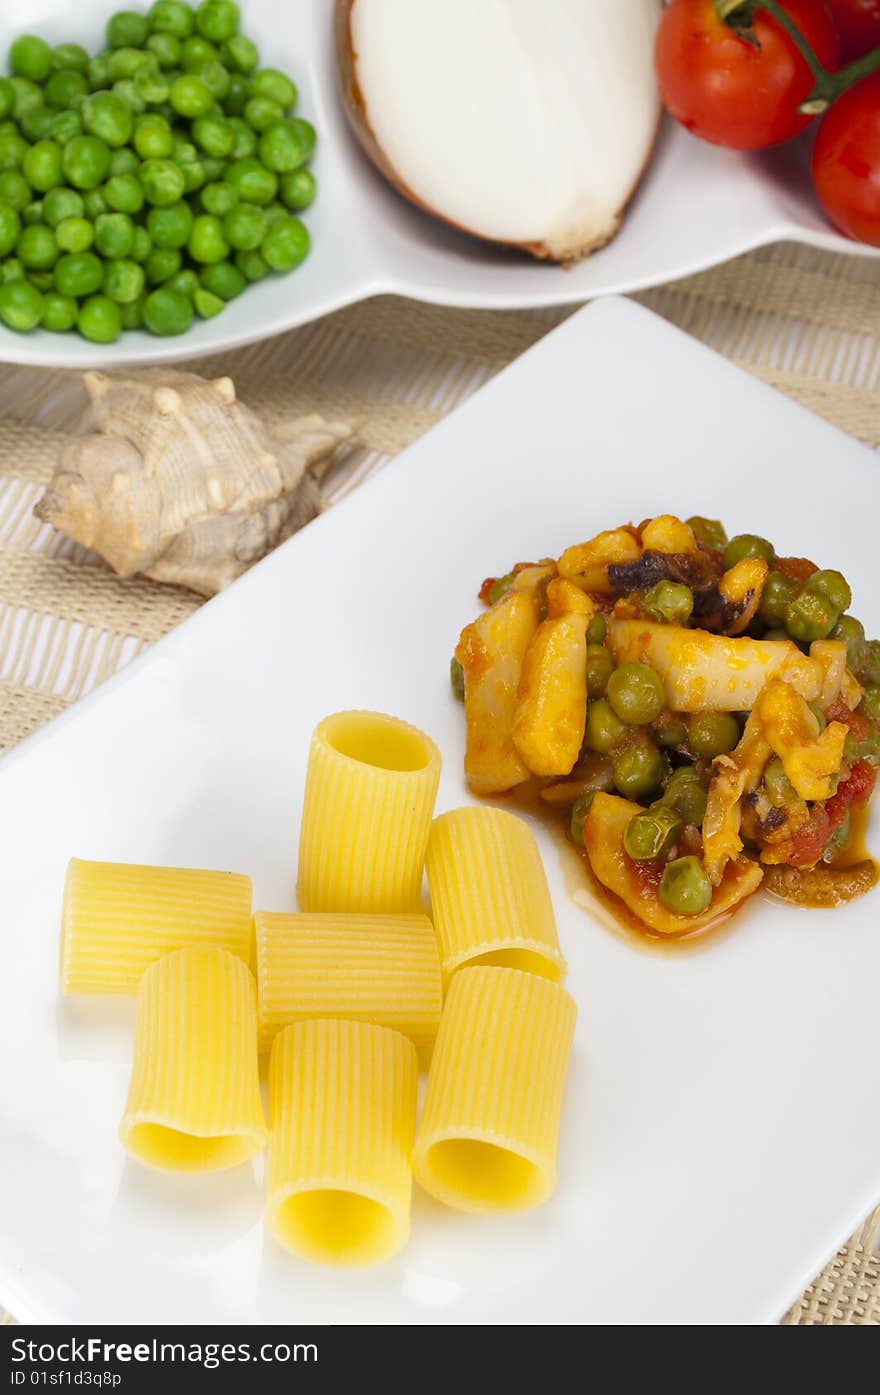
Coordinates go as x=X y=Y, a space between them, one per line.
x=739 y=76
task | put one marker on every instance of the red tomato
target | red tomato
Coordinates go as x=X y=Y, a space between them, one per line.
x=846 y=161
x=857 y=789
x=858 y=24
x=731 y=92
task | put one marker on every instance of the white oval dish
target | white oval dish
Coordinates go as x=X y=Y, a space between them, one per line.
x=697 y=206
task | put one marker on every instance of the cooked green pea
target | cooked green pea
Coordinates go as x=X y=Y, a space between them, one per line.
x=193 y=176
x=124 y=193
x=604 y=729
x=298 y=190
x=114 y=235
x=237 y=95
x=171 y=226
x=78 y=274
x=126 y=90
x=217 y=20
x=308 y=136
x=162 y=263
x=15 y=192
x=636 y=693
x=59 y=312
x=162 y=182
x=214 y=169
x=670 y=602
x=709 y=532
x=171 y=17
x=712 y=733
x=852 y=633
x=686 y=793
x=685 y=888
x=153 y=138
x=747 y=545
x=190 y=97
x=456 y=676
x=74 y=234
x=220 y=199
x=868 y=670
x=61 y=203
x=99 y=319
x=131 y=315
x=142 y=246
x=286 y=244
x=185 y=281
x=778 y=787
x=85 y=161
x=281 y=148
x=779 y=590
x=245 y=138
x=810 y=616
x=597 y=629
x=65 y=126
x=651 y=834
x=196 y=53
x=125 y=62
x=167 y=312
x=21 y=305
x=94 y=203
x=41 y=279
x=26 y=95
x=206 y=304
x=30 y=57
x=63 y=86
x=7 y=97
x=126 y=29
x=262 y=112
x=206 y=241
x=70 y=56
x=106 y=116
x=165 y=48
x=36 y=248
x=123 y=281
x=579 y=812
x=33 y=213
x=11 y=269
x=277 y=86
x=124 y=162
x=213 y=135
x=670 y=730
x=833 y=586
x=870 y=704
x=240 y=53
x=10 y=227
x=37 y=123
x=13 y=149
x=251 y=265
x=600 y=666
x=223 y=279
x=216 y=79
x=639 y=767
x=98 y=71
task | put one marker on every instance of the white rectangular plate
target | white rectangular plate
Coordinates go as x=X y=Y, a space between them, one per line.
x=718 y=1140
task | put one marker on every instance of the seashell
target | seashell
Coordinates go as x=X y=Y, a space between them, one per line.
x=172 y=477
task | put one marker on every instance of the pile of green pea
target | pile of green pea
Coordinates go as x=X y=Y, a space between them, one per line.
x=150 y=183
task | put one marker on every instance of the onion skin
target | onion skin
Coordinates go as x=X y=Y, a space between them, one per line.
x=356 y=111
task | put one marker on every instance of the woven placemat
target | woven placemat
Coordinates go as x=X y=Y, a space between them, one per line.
x=806 y=322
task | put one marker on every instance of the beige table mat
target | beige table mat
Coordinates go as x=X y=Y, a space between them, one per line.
x=804 y=321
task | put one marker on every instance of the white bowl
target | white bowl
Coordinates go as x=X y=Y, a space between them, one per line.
x=697 y=206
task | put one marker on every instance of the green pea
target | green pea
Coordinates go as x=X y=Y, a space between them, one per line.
x=651 y=834
x=13 y=149
x=124 y=194
x=670 y=602
x=217 y=20
x=167 y=312
x=685 y=888
x=638 y=767
x=262 y=112
x=60 y=204
x=11 y=269
x=36 y=248
x=162 y=182
x=142 y=246
x=670 y=730
x=747 y=545
x=171 y=17
x=636 y=693
x=98 y=71
x=712 y=733
x=41 y=279
x=99 y=319
x=7 y=97
x=114 y=235
x=131 y=314
x=868 y=670
x=106 y=116
x=190 y=97
x=298 y=190
x=165 y=48
x=10 y=227
x=162 y=263
x=833 y=586
x=852 y=633
x=237 y=95
x=240 y=53
x=33 y=213
x=686 y=793
x=709 y=532
x=153 y=138
x=193 y=176
x=579 y=812
x=30 y=57
x=37 y=123
x=69 y=56
x=185 y=281
x=124 y=162
x=206 y=304
x=213 y=135
x=78 y=274
x=125 y=62
x=308 y=136
x=15 y=192
x=206 y=241
x=41 y=166
x=123 y=281
x=281 y=148
x=63 y=86
x=604 y=729
x=85 y=161
x=286 y=244
x=810 y=616
x=26 y=95
x=245 y=138
x=277 y=86
x=220 y=199
x=251 y=265
x=171 y=226
x=223 y=279
x=65 y=126
x=21 y=305
x=778 y=788
x=779 y=590
x=126 y=29
x=216 y=79
x=59 y=312
x=600 y=666
x=870 y=704
x=456 y=678
x=196 y=53
x=597 y=629
x=74 y=235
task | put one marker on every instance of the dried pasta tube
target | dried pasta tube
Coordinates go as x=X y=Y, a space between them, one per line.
x=489 y=896
x=488 y=1132
x=367 y=968
x=194 y=1103
x=342 y=1109
x=370 y=790
x=118 y=918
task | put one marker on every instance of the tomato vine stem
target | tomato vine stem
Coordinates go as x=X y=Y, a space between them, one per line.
x=738 y=15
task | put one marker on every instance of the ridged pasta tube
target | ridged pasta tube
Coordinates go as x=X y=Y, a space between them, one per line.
x=368 y=968
x=118 y=918
x=342 y=1108
x=194 y=1102
x=488 y=1132
x=370 y=790
x=489 y=896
